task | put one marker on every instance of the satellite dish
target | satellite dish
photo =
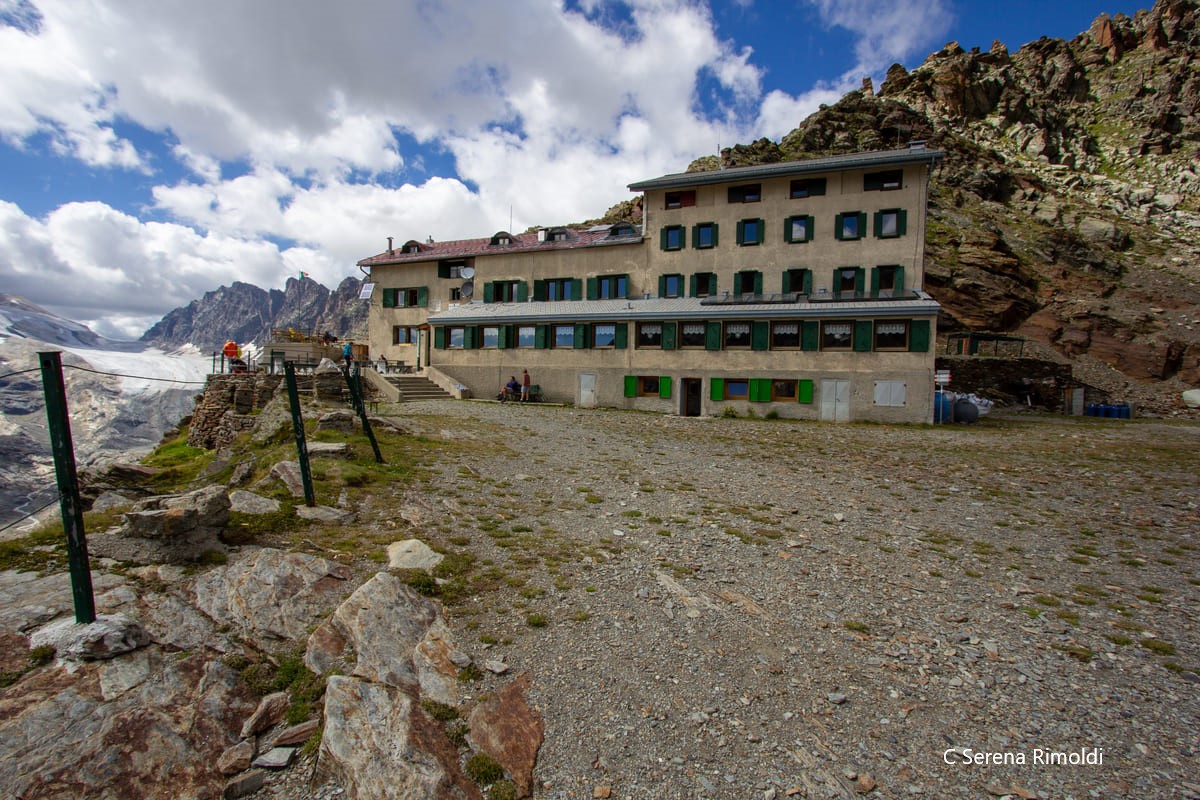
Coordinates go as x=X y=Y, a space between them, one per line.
x=468 y=288
x=467 y=272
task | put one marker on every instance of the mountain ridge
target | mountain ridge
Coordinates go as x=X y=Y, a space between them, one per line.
x=247 y=313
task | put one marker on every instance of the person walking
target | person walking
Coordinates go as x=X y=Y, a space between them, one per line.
x=525 y=384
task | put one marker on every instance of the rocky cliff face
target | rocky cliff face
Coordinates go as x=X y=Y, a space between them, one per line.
x=246 y=313
x=1068 y=207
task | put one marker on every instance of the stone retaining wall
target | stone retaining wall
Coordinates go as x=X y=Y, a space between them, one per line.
x=225 y=408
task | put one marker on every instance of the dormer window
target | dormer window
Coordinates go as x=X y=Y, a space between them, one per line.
x=501 y=239
x=411 y=247
x=556 y=235
x=749 y=193
x=883 y=181
x=680 y=199
x=622 y=229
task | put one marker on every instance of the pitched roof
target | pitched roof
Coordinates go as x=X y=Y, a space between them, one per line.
x=595 y=236
x=877 y=158
x=677 y=308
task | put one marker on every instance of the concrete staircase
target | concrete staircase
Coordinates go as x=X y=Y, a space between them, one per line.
x=415 y=387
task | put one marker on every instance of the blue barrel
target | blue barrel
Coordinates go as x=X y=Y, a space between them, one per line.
x=1123 y=411
x=943 y=408
x=1089 y=410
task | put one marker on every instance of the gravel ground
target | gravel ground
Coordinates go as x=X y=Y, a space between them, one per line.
x=717 y=608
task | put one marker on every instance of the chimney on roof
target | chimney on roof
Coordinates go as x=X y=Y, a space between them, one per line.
x=391 y=250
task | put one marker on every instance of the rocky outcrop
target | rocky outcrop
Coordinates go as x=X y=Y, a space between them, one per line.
x=268 y=595
x=169 y=529
x=398 y=650
x=147 y=724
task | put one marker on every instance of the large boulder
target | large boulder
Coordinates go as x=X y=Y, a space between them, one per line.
x=170 y=529
x=142 y=726
x=381 y=745
x=387 y=633
x=270 y=595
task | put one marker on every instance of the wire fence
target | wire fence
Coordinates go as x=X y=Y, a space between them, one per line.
x=25 y=516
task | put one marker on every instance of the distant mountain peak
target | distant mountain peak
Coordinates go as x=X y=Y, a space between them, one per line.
x=246 y=313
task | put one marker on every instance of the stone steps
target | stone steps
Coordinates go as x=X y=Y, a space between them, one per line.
x=415 y=387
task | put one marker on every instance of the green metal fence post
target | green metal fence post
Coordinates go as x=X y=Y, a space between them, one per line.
x=289 y=370
x=68 y=486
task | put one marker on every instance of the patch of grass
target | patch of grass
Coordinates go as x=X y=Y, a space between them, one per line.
x=536 y=620
x=439 y=711
x=483 y=769
x=1047 y=600
x=1077 y=652
x=1159 y=647
x=856 y=626
x=41 y=655
x=1117 y=639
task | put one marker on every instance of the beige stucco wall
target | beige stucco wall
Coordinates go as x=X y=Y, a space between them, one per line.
x=557 y=372
x=822 y=255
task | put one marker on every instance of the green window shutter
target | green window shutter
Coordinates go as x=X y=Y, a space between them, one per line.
x=668 y=335
x=715 y=228
x=593 y=288
x=760 y=390
x=621 y=335
x=762 y=230
x=489 y=292
x=389 y=298
x=863 y=330
x=423 y=297
x=662 y=239
x=539 y=290
x=631 y=386
x=695 y=237
x=522 y=292
x=837 y=227
x=810 y=335
x=582 y=330
x=741 y=232
x=716 y=388
x=712 y=337
x=664 y=387
x=807 y=282
x=787 y=281
x=541 y=337
x=901 y=222
x=899 y=286
x=918 y=336
x=692 y=285
x=502 y=338
x=576 y=289
x=443 y=270
x=787 y=231
x=662 y=285
x=757 y=281
x=439 y=338
x=878 y=224
x=804 y=391
x=874 y=281
x=860 y=278
x=862 y=224
x=759 y=334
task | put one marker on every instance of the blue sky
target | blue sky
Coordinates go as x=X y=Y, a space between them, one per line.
x=152 y=150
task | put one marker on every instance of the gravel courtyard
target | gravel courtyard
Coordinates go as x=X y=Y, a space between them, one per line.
x=747 y=608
